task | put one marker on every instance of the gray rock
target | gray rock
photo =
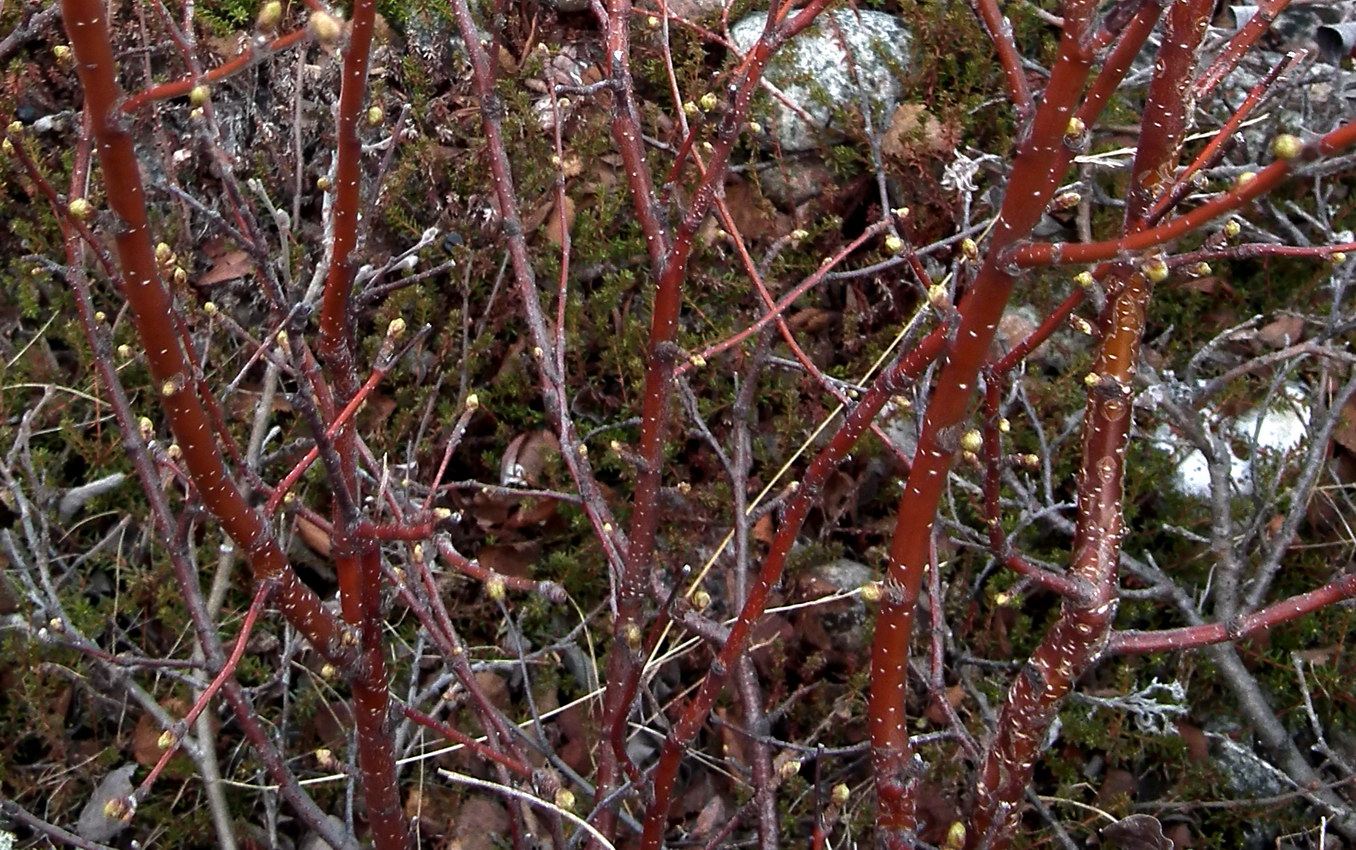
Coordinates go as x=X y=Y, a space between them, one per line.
x=840 y=625
x=812 y=72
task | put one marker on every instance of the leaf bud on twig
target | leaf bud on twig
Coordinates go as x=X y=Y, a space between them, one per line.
x=473 y=402
x=870 y=592
x=1286 y=146
x=374 y=116
x=166 y=740
x=323 y=183
x=269 y=15
x=494 y=587
x=199 y=95
x=1155 y=270
x=632 y=635
x=709 y=101
x=955 y=836
x=690 y=109
x=565 y=797
x=894 y=244
x=701 y=600
x=125 y=351
x=972 y=441
x=325 y=27
x=1245 y=178
x=840 y=794
x=969 y=248
x=789 y=769
x=325 y=758
x=1337 y=258
x=120 y=808
x=80 y=209
x=62 y=52
x=396 y=329
x=1232 y=228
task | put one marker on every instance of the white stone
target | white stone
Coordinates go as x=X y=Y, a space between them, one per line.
x=812 y=71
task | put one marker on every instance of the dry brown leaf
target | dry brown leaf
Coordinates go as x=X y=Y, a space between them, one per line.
x=229 y=266
x=915 y=133
x=554 y=232
x=1282 y=332
x=1345 y=432
x=313 y=536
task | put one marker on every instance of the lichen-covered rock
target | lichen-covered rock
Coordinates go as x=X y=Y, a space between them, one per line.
x=847 y=60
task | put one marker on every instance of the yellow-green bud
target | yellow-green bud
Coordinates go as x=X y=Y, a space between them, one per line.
x=16 y=127
x=799 y=235
x=325 y=27
x=199 y=95
x=972 y=441
x=494 y=587
x=164 y=254
x=1232 y=228
x=894 y=244
x=1075 y=127
x=80 y=209
x=169 y=388
x=180 y=276
x=701 y=600
x=937 y=295
x=1286 y=146
x=100 y=315
x=269 y=15
x=146 y=427
x=473 y=402
x=1201 y=269
x=870 y=592
x=329 y=672
x=325 y=758
x=709 y=101
x=119 y=808
x=1337 y=258
x=57 y=625
x=1245 y=178
x=374 y=116
x=1004 y=425
x=441 y=514
x=632 y=635
x=789 y=769
x=125 y=351
x=955 y=836
x=690 y=109
x=62 y=52
x=173 y=452
x=1155 y=270
x=166 y=740
x=969 y=248
x=396 y=329
x=209 y=307
x=754 y=127
x=565 y=797
x=840 y=794
x=1083 y=279
x=1092 y=379
x=323 y=183
x=901 y=212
